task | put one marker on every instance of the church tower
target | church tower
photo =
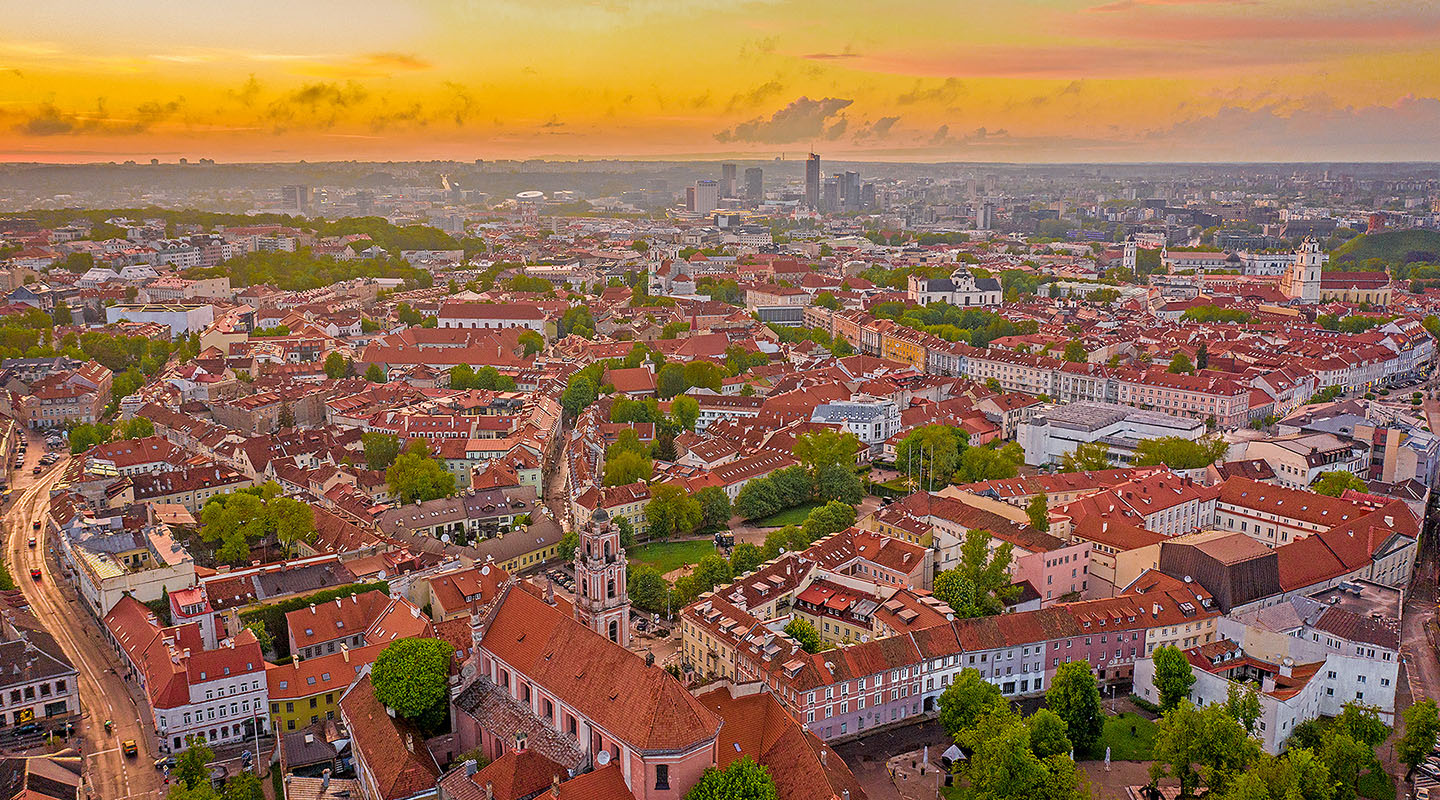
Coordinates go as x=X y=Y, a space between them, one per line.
x=1302 y=281
x=601 y=600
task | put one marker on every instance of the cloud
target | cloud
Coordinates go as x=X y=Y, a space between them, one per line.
x=837 y=130
x=877 y=130
x=395 y=61
x=48 y=119
x=946 y=92
x=757 y=96
x=802 y=119
x=1313 y=126
x=847 y=52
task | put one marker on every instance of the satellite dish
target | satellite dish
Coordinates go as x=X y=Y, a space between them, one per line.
x=445 y=537
x=485 y=570
x=602 y=758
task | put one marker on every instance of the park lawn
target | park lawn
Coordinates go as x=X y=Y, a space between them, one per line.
x=790 y=516
x=668 y=556
x=1123 y=746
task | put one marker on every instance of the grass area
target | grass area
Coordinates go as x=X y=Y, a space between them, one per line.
x=667 y=556
x=1123 y=745
x=7 y=582
x=790 y=516
x=1377 y=786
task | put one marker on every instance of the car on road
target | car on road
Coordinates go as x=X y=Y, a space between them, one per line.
x=35 y=525
x=32 y=541
x=128 y=746
x=37 y=469
x=168 y=762
x=35 y=574
x=29 y=727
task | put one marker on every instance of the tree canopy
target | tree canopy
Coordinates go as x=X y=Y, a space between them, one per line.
x=415 y=476
x=412 y=676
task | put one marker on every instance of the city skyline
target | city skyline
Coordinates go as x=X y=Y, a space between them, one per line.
x=1043 y=81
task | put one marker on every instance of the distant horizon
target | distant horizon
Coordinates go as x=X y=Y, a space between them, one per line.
x=748 y=159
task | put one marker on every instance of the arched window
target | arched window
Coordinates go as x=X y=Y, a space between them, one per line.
x=610 y=588
x=614 y=631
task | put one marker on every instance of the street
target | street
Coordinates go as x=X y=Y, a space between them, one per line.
x=103 y=693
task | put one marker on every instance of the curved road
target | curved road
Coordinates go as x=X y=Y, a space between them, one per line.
x=103 y=693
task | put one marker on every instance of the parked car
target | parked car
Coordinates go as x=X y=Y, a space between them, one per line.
x=35 y=574
x=32 y=541
x=129 y=748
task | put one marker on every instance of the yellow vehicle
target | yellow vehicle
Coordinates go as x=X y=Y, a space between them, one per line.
x=129 y=748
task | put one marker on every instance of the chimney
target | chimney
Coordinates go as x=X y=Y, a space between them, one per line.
x=471 y=766
x=345 y=651
x=555 y=784
x=489 y=791
x=649 y=658
x=324 y=780
x=1287 y=666
x=822 y=756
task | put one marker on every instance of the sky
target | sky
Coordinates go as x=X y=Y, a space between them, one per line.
x=883 y=80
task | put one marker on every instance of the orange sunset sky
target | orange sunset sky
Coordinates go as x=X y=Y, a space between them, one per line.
x=1016 y=80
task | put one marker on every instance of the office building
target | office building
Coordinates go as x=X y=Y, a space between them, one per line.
x=727 y=180
x=812 y=182
x=831 y=202
x=984 y=216
x=707 y=196
x=755 y=184
x=295 y=198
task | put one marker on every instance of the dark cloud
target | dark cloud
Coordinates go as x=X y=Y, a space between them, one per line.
x=395 y=61
x=757 y=96
x=848 y=52
x=837 y=130
x=50 y=120
x=802 y=119
x=946 y=92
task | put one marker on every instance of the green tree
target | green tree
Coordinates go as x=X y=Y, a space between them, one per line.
x=803 y=632
x=648 y=589
x=1049 y=735
x=1333 y=483
x=412 y=676
x=381 y=449
x=746 y=557
x=1180 y=364
x=1075 y=696
x=757 y=498
x=990 y=463
x=980 y=584
x=1075 y=352
x=294 y=522
x=568 y=544
x=1202 y=356
x=532 y=342
x=967 y=699
x=832 y=517
x=84 y=436
x=375 y=374
x=685 y=409
x=1085 y=457
x=1003 y=764
x=670 y=381
x=62 y=313
x=191 y=768
x=670 y=512
x=793 y=485
x=1173 y=676
x=1038 y=510
x=714 y=508
x=133 y=428
x=1243 y=705
x=244 y=786
x=827 y=448
x=790 y=538
x=1422 y=725
x=335 y=366
x=415 y=476
x=627 y=466
x=743 y=779
x=932 y=454
x=578 y=395
x=837 y=482
x=1201 y=745
x=1177 y=452
x=462 y=377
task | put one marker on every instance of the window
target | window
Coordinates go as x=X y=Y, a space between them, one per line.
x=662 y=776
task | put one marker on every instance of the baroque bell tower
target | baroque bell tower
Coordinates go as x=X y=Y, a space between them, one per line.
x=1302 y=280
x=601 y=600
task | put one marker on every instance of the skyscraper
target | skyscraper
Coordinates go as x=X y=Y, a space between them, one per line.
x=812 y=182
x=295 y=198
x=850 y=191
x=727 y=180
x=707 y=196
x=755 y=184
x=831 y=203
